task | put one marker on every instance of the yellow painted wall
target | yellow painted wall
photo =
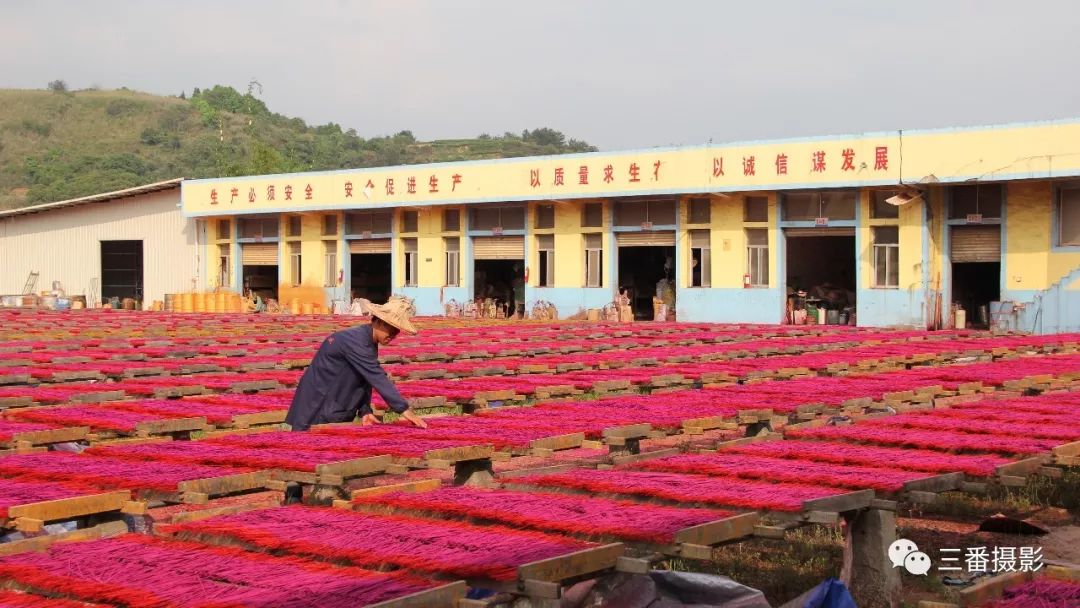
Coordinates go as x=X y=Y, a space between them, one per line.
x=910 y=233
x=1030 y=263
x=569 y=245
x=729 y=241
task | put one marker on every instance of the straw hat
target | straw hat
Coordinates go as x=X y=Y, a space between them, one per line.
x=394 y=312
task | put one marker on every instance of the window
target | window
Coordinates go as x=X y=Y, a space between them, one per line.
x=700 y=211
x=756 y=209
x=880 y=209
x=886 y=256
x=293 y=225
x=330 y=272
x=297 y=264
x=700 y=258
x=371 y=222
x=410 y=262
x=224 y=231
x=329 y=225
x=808 y=206
x=592 y=215
x=545 y=245
x=545 y=216
x=409 y=221
x=490 y=218
x=451 y=220
x=224 y=266
x=757 y=257
x=980 y=199
x=259 y=228
x=453 y=261
x=1069 y=217
x=594 y=260
x=636 y=213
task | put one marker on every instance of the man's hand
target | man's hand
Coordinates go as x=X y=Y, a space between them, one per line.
x=413 y=418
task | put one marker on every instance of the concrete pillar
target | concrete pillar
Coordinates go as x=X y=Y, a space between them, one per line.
x=867 y=571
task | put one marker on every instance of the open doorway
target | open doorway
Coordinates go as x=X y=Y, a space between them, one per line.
x=496 y=280
x=974 y=286
x=122 y=270
x=821 y=263
x=975 y=253
x=259 y=269
x=370 y=276
x=641 y=268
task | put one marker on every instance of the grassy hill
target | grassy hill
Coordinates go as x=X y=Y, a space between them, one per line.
x=56 y=145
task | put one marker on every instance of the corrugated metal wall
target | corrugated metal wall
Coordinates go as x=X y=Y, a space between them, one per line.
x=65 y=244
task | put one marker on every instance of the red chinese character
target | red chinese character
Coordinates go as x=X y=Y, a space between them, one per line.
x=235 y=192
x=781 y=164
x=288 y=192
x=455 y=179
x=656 y=171
x=251 y=194
x=583 y=175
x=270 y=194
x=881 y=158
x=307 y=192
x=213 y=196
x=718 y=166
x=433 y=184
x=534 y=178
x=389 y=186
x=748 y=166
x=559 y=176
x=849 y=160
x=609 y=174
x=411 y=185
x=634 y=171
x=819 y=161
x=370 y=185
x=348 y=189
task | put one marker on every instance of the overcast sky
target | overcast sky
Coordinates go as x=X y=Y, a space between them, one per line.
x=619 y=74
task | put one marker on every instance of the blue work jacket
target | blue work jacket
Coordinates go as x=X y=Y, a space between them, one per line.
x=337 y=385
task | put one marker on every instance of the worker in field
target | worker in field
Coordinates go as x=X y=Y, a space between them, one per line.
x=518 y=287
x=337 y=385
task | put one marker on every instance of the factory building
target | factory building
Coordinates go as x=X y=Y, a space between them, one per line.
x=894 y=228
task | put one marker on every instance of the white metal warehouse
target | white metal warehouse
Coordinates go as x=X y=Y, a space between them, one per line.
x=129 y=243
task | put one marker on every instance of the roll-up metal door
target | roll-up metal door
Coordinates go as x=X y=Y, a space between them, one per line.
x=259 y=254
x=499 y=248
x=369 y=245
x=646 y=238
x=797 y=232
x=976 y=244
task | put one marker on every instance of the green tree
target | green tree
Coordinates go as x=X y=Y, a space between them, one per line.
x=58 y=86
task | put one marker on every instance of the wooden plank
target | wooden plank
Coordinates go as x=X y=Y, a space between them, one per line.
x=48 y=436
x=259 y=418
x=354 y=467
x=630 y=431
x=40 y=543
x=841 y=502
x=991 y=588
x=721 y=530
x=425 y=485
x=574 y=564
x=99 y=396
x=174 y=425
x=226 y=484
x=936 y=483
x=558 y=442
x=624 y=459
x=445 y=595
x=551 y=470
x=1069 y=449
x=472 y=452
x=69 y=508
x=1020 y=468
x=201 y=514
x=706 y=424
